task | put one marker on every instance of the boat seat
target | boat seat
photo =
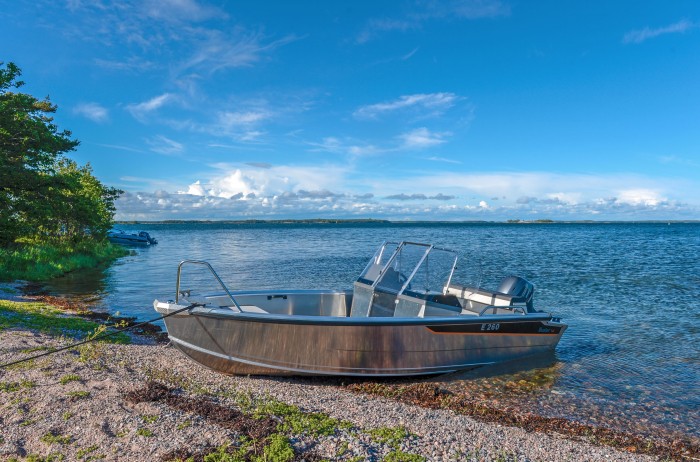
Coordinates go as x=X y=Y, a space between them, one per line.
x=253 y=309
x=480 y=296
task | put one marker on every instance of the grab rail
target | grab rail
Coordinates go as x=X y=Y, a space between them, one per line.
x=514 y=309
x=204 y=263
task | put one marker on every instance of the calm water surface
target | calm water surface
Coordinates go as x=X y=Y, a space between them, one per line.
x=629 y=292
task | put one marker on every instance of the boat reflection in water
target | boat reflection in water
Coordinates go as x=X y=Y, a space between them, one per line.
x=404 y=316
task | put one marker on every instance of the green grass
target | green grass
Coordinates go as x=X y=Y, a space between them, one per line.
x=144 y=432
x=149 y=418
x=391 y=436
x=52 y=457
x=49 y=320
x=69 y=378
x=79 y=394
x=9 y=387
x=276 y=449
x=51 y=438
x=298 y=422
x=400 y=456
x=40 y=261
x=85 y=451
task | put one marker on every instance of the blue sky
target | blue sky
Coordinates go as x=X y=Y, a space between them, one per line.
x=452 y=110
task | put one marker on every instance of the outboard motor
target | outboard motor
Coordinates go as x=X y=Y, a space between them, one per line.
x=520 y=289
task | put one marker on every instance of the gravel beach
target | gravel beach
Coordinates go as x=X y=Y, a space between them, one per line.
x=80 y=405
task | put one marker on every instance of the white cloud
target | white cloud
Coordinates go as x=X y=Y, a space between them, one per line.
x=642 y=35
x=571 y=198
x=270 y=181
x=164 y=145
x=469 y=9
x=433 y=10
x=92 y=111
x=416 y=139
x=141 y=111
x=237 y=119
x=198 y=38
x=131 y=64
x=676 y=160
x=443 y=159
x=422 y=138
x=216 y=50
x=375 y=27
x=432 y=104
x=640 y=196
x=326 y=191
x=180 y=11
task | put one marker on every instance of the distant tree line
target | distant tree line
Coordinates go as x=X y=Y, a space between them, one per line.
x=44 y=196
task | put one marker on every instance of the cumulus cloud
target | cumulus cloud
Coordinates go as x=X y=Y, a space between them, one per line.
x=92 y=111
x=642 y=35
x=640 y=196
x=289 y=192
x=270 y=181
x=418 y=197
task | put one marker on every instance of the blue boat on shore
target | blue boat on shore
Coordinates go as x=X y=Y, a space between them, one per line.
x=117 y=236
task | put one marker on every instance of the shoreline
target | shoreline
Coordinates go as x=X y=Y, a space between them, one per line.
x=366 y=404
x=377 y=221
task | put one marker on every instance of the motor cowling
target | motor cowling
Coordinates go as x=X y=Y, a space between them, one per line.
x=520 y=289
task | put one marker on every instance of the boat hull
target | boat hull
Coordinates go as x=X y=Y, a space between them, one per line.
x=128 y=240
x=245 y=343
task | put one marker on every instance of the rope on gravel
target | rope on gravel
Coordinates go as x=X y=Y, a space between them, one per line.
x=99 y=337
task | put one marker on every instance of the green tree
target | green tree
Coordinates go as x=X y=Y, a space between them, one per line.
x=43 y=194
x=84 y=206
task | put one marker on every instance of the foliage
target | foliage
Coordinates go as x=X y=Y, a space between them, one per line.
x=43 y=195
x=69 y=378
x=50 y=320
x=391 y=436
x=296 y=421
x=400 y=456
x=144 y=432
x=278 y=449
x=52 y=437
x=37 y=262
x=11 y=387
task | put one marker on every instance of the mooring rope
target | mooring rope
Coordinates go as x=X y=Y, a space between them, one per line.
x=99 y=337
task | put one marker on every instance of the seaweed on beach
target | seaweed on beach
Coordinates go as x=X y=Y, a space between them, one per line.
x=434 y=397
x=256 y=434
x=224 y=416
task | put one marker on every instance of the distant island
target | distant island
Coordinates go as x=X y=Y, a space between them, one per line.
x=335 y=221
x=256 y=222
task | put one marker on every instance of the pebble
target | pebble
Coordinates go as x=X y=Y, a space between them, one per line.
x=107 y=421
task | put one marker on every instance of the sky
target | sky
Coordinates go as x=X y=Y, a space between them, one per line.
x=400 y=110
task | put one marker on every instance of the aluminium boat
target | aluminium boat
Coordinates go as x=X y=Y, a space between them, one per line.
x=117 y=236
x=403 y=317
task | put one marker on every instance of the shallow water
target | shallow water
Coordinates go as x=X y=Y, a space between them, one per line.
x=629 y=292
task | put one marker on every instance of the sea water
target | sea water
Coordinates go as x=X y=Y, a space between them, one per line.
x=629 y=292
